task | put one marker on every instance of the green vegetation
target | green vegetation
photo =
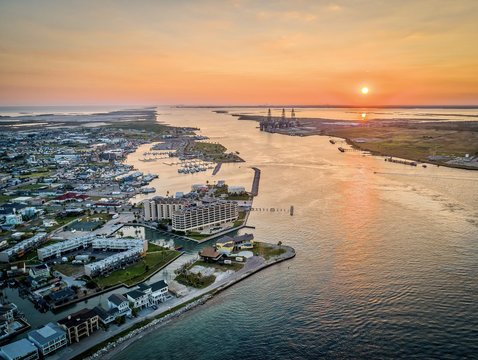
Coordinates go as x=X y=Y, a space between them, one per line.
x=243 y=196
x=267 y=250
x=139 y=271
x=153 y=247
x=31 y=187
x=195 y=280
x=240 y=220
x=197 y=236
x=219 y=267
x=68 y=269
x=410 y=143
x=37 y=174
x=5 y=198
x=149 y=126
x=214 y=152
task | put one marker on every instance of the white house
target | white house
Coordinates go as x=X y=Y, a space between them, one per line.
x=118 y=301
x=138 y=298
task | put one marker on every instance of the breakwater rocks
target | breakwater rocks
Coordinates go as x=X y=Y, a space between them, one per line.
x=148 y=327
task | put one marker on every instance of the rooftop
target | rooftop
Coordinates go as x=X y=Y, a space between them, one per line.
x=47 y=333
x=19 y=349
x=117 y=299
x=77 y=318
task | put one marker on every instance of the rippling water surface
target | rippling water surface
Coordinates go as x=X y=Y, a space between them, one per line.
x=386 y=265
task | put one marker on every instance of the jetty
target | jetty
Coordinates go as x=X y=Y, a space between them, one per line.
x=255 y=182
x=217 y=168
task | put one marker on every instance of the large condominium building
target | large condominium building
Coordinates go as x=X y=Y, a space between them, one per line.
x=135 y=249
x=23 y=247
x=161 y=208
x=195 y=217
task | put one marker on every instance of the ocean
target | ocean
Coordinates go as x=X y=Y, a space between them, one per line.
x=387 y=254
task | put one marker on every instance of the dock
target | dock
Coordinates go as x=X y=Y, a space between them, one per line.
x=255 y=182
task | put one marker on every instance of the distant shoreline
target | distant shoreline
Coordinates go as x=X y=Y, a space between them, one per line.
x=411 y=137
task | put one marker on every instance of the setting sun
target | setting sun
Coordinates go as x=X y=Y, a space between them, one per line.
x=364 y=90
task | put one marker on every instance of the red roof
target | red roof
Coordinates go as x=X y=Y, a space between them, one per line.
x=71 y=195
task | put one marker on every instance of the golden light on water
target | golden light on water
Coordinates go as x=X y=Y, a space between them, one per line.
x=364 y=115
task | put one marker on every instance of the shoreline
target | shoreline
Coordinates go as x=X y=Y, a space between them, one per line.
x=325 y=127
x=108 y=349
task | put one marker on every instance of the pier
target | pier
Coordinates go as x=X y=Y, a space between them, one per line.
x=255 y=182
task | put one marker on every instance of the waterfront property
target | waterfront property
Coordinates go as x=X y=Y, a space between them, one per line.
x=48 y=338
x=118 y=306
x=198 y=216
x=138 y=298
x=209 y=254
x=162 y=208
x=20 y=350
x=227 y=244
x=119 y=302
x=58 y=249
x=148 y=295
x=115 y=261
x=80 y=324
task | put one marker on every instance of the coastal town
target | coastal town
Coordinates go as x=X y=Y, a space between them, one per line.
x=67 y=195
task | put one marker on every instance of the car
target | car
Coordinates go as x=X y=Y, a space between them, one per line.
x=155 y=307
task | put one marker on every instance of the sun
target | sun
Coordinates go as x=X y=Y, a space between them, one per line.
x=364 y=90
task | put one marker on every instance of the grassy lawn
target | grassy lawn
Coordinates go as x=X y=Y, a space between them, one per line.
x=219 y=267
x=5 y=198
x=68 y=269
x=32 y=187
x=153 y=247
x=195 y=280
x=37 y=174
x=244 y=196
x=267 y=251
x=139 y=271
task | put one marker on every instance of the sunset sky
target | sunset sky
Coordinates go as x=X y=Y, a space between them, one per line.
x=239 y=52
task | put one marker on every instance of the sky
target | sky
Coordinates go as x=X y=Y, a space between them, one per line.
x=239 y=52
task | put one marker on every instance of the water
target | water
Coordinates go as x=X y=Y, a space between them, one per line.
x=386 y=265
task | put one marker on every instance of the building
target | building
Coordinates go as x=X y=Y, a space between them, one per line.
x=23 y=247
x=227 y=244
x=209 y=254
x=58 y=249
x=148 y=295
x=39 y=272
x=48 y=338
x=80 y=324
x=139 y=298
x=159 y=291
x=116 y=261
x=20 y=350
x=213 y=214
x=119 y=302
x=162 y=208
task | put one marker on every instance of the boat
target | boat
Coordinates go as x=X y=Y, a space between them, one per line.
x=341 y=149
x=332 y=141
